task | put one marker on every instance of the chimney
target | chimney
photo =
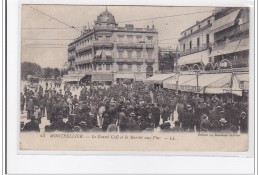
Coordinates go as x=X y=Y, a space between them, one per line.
x=197 y=22
x=153 y=26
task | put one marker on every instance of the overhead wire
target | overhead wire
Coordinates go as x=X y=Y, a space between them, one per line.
x=53 y=18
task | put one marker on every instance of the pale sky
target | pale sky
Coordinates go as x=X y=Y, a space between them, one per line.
x=55 y=53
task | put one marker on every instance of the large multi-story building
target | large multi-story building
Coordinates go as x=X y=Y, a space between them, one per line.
x=231 y=39
x=111 y=53
x=221 y=41
x=195 y=43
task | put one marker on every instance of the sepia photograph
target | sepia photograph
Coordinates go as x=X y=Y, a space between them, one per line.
x=134 y=78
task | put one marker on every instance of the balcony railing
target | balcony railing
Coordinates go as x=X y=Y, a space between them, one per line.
x=105 y=43
x=99 y=59
x=70 y=48
x=83 y=48
x=130 y=45
x=129 y=60
x=195 y=49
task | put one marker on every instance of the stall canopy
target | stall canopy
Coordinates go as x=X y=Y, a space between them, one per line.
x=200 y=57
x=225 y=22
x=228 y=48
x=159 y=78
x=102 y=77
x=171 y=83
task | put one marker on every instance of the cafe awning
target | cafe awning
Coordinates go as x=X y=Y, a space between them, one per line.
x=159 y=78
x=205 y=80
x=200 y=57
x=243 y=77
x=224 y=86
x=228 y=48
x=225 y=22
x=102 y=77
x=171 y=83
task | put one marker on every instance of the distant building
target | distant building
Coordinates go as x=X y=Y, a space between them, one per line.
x=112 y=54
x=231 y=39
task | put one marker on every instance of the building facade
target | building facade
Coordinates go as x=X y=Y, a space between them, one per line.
x=220 y=41
x=231 y=39
x=194 y=45
x=112 y=54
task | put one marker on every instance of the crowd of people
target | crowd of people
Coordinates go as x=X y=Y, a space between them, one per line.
x=138 y=107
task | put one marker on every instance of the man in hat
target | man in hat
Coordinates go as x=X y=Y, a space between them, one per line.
x=58 y=125
x=48 y=108
x=155 y=110
x=122 y=121
x=205 y=124
x=74 y=101
x=32 y=125
x=30 y=108
x=69 y=126
x=22 y=101
x=243 y=122
x=37 y=114
x=177 y=127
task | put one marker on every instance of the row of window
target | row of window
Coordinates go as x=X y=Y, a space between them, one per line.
x=129 y=67
x=120 y=67
x=198 y=44
x=108 y=67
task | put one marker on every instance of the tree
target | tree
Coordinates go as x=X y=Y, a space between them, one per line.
x=47 y=73
x=28 y=68
x=56 y=73
x=166 y=62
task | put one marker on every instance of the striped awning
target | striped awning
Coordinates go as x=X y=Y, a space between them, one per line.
x=225 y=22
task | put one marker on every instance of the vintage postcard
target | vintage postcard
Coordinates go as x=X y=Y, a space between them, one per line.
x=134 y=78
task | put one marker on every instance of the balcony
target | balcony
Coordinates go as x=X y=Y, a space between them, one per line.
x=98 y=59
x=85 y=61
x=103 y=44
x=71 y=56
x=83 y=48
x=130 y=45
x=196 y=49
x=129 y=60
x=71 y=48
